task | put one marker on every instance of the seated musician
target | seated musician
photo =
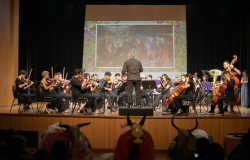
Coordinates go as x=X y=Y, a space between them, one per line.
x=204 y=78
x=21 y=90
x=188 y=92
x=122 y=94
x=95 y=79
x=228 y=67
x=47 y=88
x=145 y=93
x=91 y=89
x=166 y=83
x=106 y=87
x=60 y=87
x=205 y=92
x=79 y=88
x=117 y=83
x=229 y=93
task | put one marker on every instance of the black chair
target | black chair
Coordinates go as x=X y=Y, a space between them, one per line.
x=15 y=97
x=185 y=108
x=42 y=98
x=76 y=99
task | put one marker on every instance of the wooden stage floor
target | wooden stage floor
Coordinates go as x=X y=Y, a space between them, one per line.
x=105 y=128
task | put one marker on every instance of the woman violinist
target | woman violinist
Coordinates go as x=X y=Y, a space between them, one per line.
x=21 y=90
x=188 y=92
x=57 y=100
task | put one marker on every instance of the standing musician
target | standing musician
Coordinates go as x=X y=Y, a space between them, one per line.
x=106 y=86
x=188 y=92
x=79 y=85
x=229 y=93
x=228 y=67
x=21 y=90
x=59 y=88
x=166 y=91
x=47 y=88
x=133 y=68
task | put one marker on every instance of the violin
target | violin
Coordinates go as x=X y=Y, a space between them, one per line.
x=110 y=81
x=26 y=80
x=50 y=81
x=178 y=90
x=80 y=79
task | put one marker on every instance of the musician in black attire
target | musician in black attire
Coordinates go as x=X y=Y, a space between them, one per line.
x=60 y=86
x=21 y=90
x=229 y=93
x=78 y=88
x=133 y=68
x=57 y=100
x=166 y=91
x=106 y=87
x=188 y=92
x=91 y=89
x=228 y=67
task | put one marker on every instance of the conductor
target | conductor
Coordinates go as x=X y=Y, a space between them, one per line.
x=133 y=68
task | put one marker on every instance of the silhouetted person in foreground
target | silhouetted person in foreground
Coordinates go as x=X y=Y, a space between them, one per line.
x=59 y=151
x=215 y=152
x=17 y=145
x=41 y=154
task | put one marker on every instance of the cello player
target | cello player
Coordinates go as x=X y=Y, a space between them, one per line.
x=228 y=67
x=229 y=93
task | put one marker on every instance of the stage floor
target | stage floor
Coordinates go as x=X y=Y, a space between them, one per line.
x=200 y=112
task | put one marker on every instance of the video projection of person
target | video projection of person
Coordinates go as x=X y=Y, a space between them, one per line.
x=152 y=45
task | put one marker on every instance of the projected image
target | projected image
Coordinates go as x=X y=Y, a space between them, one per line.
x=159 y=45
x=152 y=45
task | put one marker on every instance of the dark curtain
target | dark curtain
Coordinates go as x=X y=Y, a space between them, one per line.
x=214 y=34
x=51 y=35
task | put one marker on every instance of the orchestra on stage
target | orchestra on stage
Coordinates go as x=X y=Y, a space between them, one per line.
x=85 y=93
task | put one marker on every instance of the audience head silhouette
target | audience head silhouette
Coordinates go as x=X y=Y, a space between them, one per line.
x=59 y=151
x=41 y=154
x=17 y=144
x=215 y=152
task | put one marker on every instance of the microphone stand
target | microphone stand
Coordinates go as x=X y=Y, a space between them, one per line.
x=201 y=90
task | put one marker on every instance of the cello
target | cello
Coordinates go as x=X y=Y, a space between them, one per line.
x=224 y=86
x=178 y=91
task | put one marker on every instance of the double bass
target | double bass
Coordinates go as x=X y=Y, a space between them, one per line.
x=178 y=91
x=224 y=86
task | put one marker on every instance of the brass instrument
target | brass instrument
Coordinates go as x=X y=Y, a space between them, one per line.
x=215 y=73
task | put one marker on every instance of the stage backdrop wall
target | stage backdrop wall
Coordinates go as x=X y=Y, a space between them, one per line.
x=51 y=34
x=9 y=23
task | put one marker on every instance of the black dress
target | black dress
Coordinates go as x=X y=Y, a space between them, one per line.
x=57 y=100
x=188 y=93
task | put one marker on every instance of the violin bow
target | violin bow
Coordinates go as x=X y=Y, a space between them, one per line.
x=66 y=76
x=63 y=71
x=30 y=73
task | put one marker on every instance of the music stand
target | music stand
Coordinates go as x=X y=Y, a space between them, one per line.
x=123 y=88
x=149 y=85
x=35 y=85
x=208 y=75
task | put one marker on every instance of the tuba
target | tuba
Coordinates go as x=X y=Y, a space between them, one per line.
x=215 y=73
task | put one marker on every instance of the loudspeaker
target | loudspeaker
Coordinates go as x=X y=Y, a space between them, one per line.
x=149 y=111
